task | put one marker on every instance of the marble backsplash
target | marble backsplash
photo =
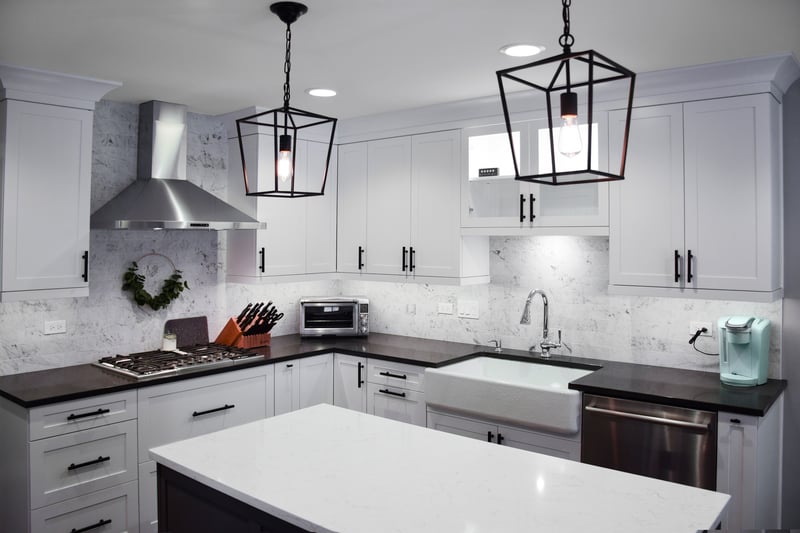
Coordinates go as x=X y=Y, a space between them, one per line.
x=572 y=270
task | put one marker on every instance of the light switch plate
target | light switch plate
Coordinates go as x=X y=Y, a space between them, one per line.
x=695 y=325
x=467 y=309
x=52 y=327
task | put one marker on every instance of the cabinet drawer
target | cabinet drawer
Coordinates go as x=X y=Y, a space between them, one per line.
x=177 y=411
x=396 y=374
x=396 y=403
x=66 y=417
x=111 y=510
x=71 y=465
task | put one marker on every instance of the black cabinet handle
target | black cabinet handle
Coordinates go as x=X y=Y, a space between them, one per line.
x=223 y=408
x=489 y=436
x=677 y=266
x=411 y=259
x=689 y=258
x=99 y=460
x=500 y=438
x=387 y=391
x=405 y=251
x=85 y=274
x=390 y=375
x=360 y=257
x=93 y=413
x=263 y=255
x=735 y=421
x=290 y=365
x=101 y=523
x=530 y=207
x=360 y=368
x=521 y=208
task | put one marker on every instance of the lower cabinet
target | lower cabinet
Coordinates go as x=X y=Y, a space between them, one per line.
x=524 y=439
x=192 y=407
x=349 y=382
x=303 y=382
x=403 y=405
x=69 y=466
x=748 y=469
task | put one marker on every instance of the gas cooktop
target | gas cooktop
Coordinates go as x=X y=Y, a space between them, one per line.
x=158 y=363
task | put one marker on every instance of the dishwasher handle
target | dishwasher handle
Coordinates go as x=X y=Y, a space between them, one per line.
x=647 y=418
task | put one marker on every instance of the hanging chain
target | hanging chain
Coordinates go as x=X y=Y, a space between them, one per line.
x=566 y=40
x=287 y=66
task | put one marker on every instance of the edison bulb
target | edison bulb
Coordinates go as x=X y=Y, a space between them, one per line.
x=285 y=158
x=569 y=137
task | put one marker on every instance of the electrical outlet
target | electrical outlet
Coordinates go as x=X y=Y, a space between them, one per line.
x=51 y=327
x=467 y=309
x=445 y=308
x=694 y=325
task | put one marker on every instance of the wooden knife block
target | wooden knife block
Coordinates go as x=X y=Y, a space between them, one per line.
x=231 y=335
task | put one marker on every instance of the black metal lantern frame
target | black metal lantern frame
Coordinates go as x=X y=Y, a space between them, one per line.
x=287 y=123
x=571 y=77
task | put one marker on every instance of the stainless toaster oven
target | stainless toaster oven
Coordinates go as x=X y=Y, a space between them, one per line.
x=335 y=316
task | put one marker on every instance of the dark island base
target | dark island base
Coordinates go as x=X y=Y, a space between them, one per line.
x=187 y=506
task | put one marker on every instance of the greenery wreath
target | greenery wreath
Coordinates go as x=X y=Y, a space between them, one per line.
x=172 y=288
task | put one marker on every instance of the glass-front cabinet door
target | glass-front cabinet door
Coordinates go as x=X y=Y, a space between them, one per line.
x=492 y=198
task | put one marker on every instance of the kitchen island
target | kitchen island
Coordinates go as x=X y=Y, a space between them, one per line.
x=329 y=469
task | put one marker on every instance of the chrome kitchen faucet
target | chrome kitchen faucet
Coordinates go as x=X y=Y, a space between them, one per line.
x=545 y=345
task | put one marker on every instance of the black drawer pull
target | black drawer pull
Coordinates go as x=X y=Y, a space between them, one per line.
x=689 y=259
x=500 y=438
x=530 y=207
x=390 y=375
x=489 y=436
x=411 y=259
x=735 y=421
x=93 y=413
x=360 y=368
x=360 y=257
x=677 y=266
x=97 y=461
x=289 y=365
x=405 y=263
x=263 y=255
x=101 y=523
x=223 y=408
x=387 y=391
x=521 y=208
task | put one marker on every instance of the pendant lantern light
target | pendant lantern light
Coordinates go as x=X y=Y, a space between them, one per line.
x=567 y=85
x=293 y=130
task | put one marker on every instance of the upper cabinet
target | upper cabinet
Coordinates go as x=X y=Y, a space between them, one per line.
x=398 y=205
x=45 y=174
x=300 y=237
x=699 y=210
x=494 y=203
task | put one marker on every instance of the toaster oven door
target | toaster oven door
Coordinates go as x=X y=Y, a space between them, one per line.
x=329 y=318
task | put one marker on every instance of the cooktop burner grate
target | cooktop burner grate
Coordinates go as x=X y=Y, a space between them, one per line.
x=160 y=363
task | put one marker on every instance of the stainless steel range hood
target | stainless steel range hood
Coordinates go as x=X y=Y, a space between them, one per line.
x=161 y=197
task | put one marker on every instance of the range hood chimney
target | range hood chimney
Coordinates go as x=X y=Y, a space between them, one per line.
x=161 y=197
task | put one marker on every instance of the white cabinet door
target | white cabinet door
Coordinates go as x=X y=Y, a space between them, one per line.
x=388 y=205
x=287 y=387
x=473 y=429
x=112 y=510
x=435 y=231
x=732 y=192
x=398 y=404
x=646 y=227
x=320 y=235
x=316 y=380
x=352 y=208
x=46 y=172
x=349 y=382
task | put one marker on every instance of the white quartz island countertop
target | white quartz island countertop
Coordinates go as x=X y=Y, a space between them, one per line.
x=329 y=469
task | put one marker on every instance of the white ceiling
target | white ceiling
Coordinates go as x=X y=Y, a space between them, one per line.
x=380 y=55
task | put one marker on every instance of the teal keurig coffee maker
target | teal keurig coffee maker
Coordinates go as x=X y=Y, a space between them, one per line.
x=743 y=350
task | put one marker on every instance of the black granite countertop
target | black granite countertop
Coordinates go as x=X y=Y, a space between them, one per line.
x=685 y=388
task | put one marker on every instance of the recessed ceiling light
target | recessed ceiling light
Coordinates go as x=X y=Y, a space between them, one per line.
x=521 y=50
x=322 y=93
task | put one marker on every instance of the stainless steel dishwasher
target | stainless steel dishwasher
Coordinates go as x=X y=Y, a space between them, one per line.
x=659 y=441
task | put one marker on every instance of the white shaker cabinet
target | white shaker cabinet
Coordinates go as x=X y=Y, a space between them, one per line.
x=349 y=382
x=300 y=237
x=45 y=178
x=399 y=211
x=303 y=382
x=396 y=391
x=500 y=205
x=748 y=469
x=699 y=209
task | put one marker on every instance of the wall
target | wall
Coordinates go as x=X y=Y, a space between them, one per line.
x=573 y=271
